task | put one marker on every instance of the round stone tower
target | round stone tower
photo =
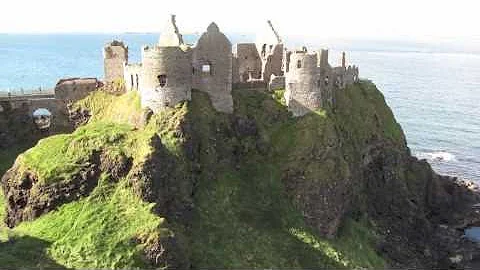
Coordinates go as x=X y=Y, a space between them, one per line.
x=303 y=84
x=166 y=72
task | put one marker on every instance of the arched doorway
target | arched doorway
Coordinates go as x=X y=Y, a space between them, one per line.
x=42 y=118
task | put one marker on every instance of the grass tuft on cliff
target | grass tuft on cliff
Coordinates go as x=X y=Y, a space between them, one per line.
x=104 y=106
x=59 y=157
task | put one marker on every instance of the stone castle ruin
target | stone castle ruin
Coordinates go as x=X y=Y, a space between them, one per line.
x=170 y=69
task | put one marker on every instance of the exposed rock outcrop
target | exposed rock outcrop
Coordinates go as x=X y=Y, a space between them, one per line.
x=27 y=198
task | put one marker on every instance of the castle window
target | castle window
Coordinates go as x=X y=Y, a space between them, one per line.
x=162 y=80
x=131 y=80
x=136 y=79
x=299 y=64
x=193 y=70
x=207 y=69
x=326 y=80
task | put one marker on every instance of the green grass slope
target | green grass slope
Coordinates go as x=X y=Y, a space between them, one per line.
x=109 y=228
x=104 y=230
x=244 y=217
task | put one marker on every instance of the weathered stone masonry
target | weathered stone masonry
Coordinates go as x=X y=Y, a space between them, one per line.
x=170 y=69
x=115 y=55
x=311 y=82
x=212 y=68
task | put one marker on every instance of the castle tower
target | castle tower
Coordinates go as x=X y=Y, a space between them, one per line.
x=323 y=59
x=303 y=84
x=212 y=68
x=166 y=71
x=115 y=57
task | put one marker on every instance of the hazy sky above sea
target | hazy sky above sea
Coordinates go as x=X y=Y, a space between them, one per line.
x=418 y=20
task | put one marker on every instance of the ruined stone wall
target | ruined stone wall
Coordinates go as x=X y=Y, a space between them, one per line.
x=286 y=61
x=323 y=59
x=115 y=56
x=270 y=47
x=303 y=85
x=351 y=75
x=17 y=124
x=132 y=77
x=348 y=77
x=249 y=62
x=253 y=84
x=338 y=74
x=276 y=83
x=326 y=79
x=235 y=70
x=212 y=64
x=272 y=63
x=73 y=89
x=166 y=77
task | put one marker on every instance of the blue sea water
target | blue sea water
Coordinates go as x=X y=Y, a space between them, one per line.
x=434 y=96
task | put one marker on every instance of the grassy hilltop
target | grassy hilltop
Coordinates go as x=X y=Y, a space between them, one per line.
x=199 y=188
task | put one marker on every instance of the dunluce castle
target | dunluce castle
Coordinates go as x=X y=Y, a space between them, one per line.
x=170 y=69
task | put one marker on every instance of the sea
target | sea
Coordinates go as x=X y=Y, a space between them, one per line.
x=435 y=95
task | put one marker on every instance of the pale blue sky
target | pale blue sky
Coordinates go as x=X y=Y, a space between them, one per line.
x=405 y=19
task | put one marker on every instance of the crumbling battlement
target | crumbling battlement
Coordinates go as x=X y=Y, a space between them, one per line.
x=249 y=64
x=311 y=82
x=74 y=89
x=115 y=57
x=131 y=75
x=170 y=69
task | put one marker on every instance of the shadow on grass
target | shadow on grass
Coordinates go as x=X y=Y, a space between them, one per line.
x=26 y=252
x=8 y=156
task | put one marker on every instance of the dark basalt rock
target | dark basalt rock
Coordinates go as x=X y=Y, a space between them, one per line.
x=245 y=127
x=421 y=215
x=166 y=253
x=78 y=116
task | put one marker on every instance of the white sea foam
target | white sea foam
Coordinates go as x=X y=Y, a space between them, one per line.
x=436 y=156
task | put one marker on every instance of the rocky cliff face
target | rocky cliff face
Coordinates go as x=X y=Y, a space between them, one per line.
x=259 y=188
x=420 y=214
